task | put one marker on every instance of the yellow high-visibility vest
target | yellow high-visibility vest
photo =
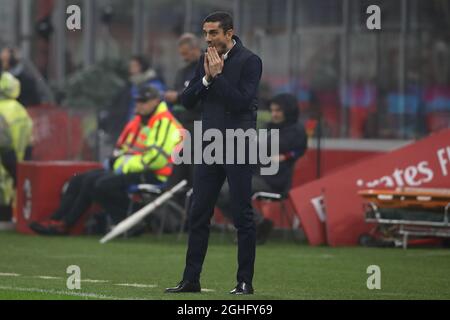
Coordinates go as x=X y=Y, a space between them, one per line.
x=149 y=147
x=16 y=133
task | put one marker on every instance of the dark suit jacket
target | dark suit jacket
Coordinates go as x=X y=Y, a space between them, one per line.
x=230 y=102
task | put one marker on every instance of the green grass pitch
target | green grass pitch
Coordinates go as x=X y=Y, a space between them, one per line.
x=34 y=267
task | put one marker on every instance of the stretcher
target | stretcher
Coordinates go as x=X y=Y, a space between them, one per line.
x=406 y=215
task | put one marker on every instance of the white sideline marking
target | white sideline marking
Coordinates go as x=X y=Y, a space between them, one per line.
x=94 y=281
x=88 y=295
x=67 y=293
x=52 y=278
x=136 y=285
x=82 y=280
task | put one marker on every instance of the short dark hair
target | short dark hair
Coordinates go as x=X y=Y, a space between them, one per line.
x=225 y=19
x=289 y=105
x=143 y=62
x=13 y=59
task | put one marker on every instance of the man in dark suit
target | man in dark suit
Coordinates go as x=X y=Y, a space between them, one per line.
x=225 y=83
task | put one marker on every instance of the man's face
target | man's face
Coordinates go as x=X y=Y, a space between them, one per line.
x=188 y=53
x=215 y=37
x=5 y=56
x=134 y=68
x=147 y=107
x=277 y=113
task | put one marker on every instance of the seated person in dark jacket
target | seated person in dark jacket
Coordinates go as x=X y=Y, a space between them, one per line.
x=292 y=145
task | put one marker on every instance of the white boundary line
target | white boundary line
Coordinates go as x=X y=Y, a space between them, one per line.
x=78 y=294
x=66 y=293
x=48 y=277
x=136 y=285
x=93 y=281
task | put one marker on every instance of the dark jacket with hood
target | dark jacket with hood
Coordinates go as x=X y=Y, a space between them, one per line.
x=293 y=143
x=182 y=79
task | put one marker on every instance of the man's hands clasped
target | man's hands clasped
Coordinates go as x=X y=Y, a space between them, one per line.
x=213 y=63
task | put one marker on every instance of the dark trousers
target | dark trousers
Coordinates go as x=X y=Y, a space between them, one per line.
x=111 y=192
x=77 y=197
x=101 y=186
x=208 y=181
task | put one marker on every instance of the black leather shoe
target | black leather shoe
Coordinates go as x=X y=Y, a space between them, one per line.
x=242 y=288
x=185 y=286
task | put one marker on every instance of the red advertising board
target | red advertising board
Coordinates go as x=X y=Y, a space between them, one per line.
x=39 y=188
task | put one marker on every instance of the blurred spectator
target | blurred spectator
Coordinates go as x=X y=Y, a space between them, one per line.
x=292 y=145
x=437 y=93
x=15 y=139
x=325 y=105
x=12 y=63
x=142 y=155
x=140 y=73
x=121 y=108
x=361 y=99
x=437 y=106
x=404 y=111
x=189 y=51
